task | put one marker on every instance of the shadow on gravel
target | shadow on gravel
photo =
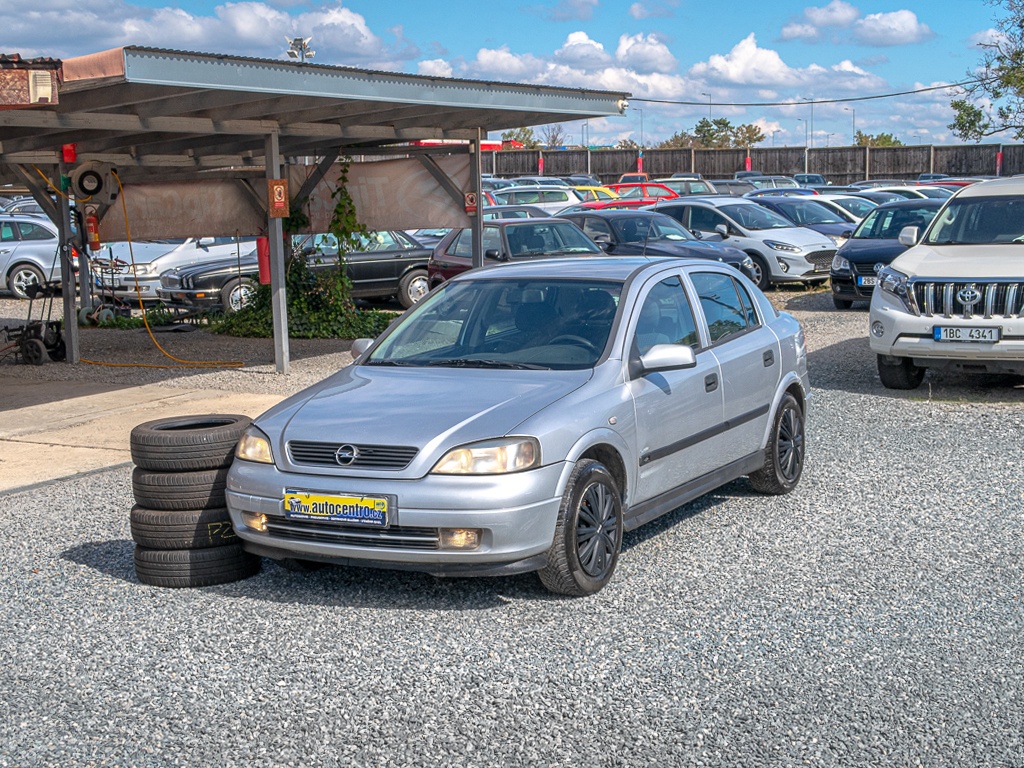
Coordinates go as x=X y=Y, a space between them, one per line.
x=736 y=489
x=113 y=558
x=851 y=366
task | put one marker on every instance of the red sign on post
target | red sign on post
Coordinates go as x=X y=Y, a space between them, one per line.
x=277 y=198
x=470 y=200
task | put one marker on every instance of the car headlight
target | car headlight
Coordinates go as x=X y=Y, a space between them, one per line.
x=144 y=269
x=492 y=457
x=779 y=246
x=254 y=446
x=895 y=282
x=747 y=263
x=839 y=264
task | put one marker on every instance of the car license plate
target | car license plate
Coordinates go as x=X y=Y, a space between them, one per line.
x=864 y=281
x=955 y=333
x=356 y=510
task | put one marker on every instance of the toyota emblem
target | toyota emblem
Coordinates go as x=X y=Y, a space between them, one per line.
x=968 y=296
x=346 y=454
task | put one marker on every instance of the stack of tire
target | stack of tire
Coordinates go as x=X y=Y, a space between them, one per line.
x=180 y=523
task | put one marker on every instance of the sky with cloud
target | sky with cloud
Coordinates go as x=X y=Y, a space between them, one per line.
x=789 y=66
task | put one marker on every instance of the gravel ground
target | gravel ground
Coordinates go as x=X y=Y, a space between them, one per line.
x=871 y=618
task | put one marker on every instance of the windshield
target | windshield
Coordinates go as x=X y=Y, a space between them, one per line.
x=887 y=223
x=649 y=229
x=805 y=212
x=858 y=206
x=531 y=323
x=755 y=217
x=536 y=237
x=979 y=221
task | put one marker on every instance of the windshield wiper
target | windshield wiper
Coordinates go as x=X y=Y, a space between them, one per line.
x=460 y=362
x=395 y=363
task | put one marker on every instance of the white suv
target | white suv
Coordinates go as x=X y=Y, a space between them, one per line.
x=955 y=299
x=781 y=251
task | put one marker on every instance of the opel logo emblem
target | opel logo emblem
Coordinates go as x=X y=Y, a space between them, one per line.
x=878 y=267
x=346 y=455
x=968 y=296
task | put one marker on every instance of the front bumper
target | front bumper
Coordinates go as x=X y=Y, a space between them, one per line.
x=515 y=514
x=844 y=286
x=894 y=332
x=187 y=298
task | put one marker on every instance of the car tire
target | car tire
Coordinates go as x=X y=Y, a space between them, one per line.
x=237 y=293
x=762 y=275
x=839 y=303
x=171 y=491
x=412 y=287
x=187 y=443
x=194 y=567
x=784 y=454
x=21 y=277
x=182 y=529
x=902 y=374
x=588 y=532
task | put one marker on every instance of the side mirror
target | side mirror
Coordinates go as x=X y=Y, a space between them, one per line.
x=494 y=254
x=205 y=242
x=605 y=245
x=723 y=230
x=359 y=346
x=667 y=357
x=847 y=233
x=908 y=236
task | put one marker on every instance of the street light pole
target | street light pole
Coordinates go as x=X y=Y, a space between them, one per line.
x=810 y=100
x=853 y=125
x=827 y=137
x=773 y=135
x=709 y=102
x=638 y=109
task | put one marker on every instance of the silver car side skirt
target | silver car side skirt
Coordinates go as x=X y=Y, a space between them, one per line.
x=648 y=510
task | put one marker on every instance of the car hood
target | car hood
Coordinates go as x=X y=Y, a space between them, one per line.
x=247 y=261
x=967 y=262
x=799 y=236
x=431 y=409
x=867 y=250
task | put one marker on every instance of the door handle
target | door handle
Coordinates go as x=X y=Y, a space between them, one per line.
x=711 y=382
x=768 y=358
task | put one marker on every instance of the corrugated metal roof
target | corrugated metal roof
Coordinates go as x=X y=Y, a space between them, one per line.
x=144 y=108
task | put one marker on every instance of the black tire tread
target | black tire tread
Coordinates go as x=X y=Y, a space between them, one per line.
x=188 y=529
x=767 y=479
x=194 y=567
x=187 y=443
x=174 y=491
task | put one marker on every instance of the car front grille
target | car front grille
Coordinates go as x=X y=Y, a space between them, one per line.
x=395 y=537
x=822 y=260
x=316 y=454
x=956 y=299
x=867 y=270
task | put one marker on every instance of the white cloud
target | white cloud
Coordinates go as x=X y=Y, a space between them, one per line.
x=747 y=64
x=987 y=37
x=896 y=28
x=645 y=54
x=434 y=68
x=653 y=9
x=573 y=10
x=799 y=31
x=502 y=64
x=836 y=14
x=581 y=52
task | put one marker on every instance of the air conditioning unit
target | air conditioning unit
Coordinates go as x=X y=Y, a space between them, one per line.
x=94 y=181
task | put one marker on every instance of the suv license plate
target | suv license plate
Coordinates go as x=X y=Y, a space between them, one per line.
x=956 y=333
x=358 y=510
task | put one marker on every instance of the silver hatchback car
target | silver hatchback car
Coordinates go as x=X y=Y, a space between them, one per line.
x=521 y=418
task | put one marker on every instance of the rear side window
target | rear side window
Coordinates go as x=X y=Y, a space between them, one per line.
x=727 y=306
x=34 y=232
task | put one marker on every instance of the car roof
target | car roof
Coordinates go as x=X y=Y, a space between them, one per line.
x=619 y=268
x=921 y=202
x=616 y=213
x=714 y=201
x=992 y=187
x=533 y=188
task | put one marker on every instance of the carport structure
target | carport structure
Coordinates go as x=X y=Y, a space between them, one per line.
x=208 y=129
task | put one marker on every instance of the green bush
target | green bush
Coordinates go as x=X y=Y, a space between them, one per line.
x=319 y=307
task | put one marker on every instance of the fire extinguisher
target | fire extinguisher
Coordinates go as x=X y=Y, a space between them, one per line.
x=92 y=230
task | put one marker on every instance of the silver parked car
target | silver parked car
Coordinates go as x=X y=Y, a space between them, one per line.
x=28 y=253
x=522 y=418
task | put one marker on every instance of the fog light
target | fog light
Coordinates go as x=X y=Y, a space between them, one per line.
x=460 y=538
x=255 y=521
x=783 y=266
x=877 y=329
